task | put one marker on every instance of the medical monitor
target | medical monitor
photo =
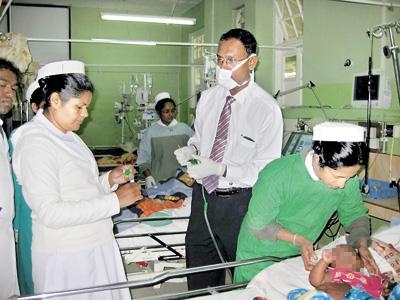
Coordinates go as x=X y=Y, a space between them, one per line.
x=297 y=142
x=381 y=90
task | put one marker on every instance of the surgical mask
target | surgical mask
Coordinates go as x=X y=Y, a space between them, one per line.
x=224 y=76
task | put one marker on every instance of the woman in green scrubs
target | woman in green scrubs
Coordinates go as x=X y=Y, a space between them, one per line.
x=296 y=195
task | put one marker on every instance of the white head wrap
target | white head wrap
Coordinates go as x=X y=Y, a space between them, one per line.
x=55 y=68
x=161 y=96
x=338 y=132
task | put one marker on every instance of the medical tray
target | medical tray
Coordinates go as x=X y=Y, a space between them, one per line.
x=385 y=192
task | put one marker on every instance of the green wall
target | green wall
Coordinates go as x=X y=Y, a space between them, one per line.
x=215 y=17
x=333 y=32
x=101 y=128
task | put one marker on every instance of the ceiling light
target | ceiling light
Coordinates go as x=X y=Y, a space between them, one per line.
x=129 y=42
x=151 y=19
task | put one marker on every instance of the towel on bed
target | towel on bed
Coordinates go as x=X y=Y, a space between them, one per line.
x=167 y=194
x=146 y=206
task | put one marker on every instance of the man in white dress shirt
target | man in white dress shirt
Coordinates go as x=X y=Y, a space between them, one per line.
x=251 y=136
x=8 y=271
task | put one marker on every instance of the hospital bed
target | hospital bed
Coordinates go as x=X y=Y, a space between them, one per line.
x=155 y=244
x=273 y=282
x=276 y=281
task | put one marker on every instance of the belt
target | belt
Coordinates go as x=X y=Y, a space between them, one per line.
x=230 y=192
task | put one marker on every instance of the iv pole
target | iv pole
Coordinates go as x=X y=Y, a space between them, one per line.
x=365 y=187
x=377 y=32
x=309 y=85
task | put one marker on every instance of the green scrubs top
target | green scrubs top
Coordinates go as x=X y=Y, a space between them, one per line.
x=286 y=193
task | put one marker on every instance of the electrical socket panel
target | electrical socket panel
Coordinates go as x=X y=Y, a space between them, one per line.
x=396 y=131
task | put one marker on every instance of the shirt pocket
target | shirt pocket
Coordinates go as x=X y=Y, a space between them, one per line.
x=245 y=149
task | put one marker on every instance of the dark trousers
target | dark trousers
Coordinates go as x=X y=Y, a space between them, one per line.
x=225 y=215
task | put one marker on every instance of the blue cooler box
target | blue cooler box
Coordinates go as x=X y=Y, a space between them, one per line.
x=385 y=192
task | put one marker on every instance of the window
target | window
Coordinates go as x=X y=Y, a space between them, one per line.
x=288 y=62
x=197 y=50
x=290 y=18
x=290 y=66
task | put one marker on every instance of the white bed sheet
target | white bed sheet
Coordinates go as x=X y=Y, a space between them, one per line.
x=276 y=281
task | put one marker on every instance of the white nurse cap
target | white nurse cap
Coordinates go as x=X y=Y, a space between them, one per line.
x=338 y=132
x=161 y=96
x=55 y=68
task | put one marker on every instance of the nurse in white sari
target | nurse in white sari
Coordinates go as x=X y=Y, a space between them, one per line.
x=73 y=244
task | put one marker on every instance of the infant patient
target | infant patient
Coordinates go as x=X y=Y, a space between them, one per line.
x=338 y=276
x=346 y=265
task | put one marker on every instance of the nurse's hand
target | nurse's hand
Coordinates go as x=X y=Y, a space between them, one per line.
x=307 y=252
x=366 y=256
x=129 y=194
x=118 y=175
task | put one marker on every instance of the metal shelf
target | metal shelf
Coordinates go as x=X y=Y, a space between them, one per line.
x=392 y=116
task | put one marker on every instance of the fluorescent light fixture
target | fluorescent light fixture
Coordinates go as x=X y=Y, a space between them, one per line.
x=151 y=19
x=129 y=42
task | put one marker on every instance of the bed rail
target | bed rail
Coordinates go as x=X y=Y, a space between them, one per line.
x=158 y=278
x=134 y=235
x=150 y=219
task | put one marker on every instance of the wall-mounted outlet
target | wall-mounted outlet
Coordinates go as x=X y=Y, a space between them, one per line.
x=396 y=131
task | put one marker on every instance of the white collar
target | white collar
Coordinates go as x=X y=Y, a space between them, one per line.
x=308 y=162
x=41 y=118
x=173 y=123
x=241 y=96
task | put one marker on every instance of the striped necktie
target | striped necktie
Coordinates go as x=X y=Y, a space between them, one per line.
x=210 y=183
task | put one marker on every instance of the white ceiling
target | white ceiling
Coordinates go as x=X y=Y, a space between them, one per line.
x=157 y=7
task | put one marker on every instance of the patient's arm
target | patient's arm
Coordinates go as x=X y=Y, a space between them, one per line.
x=318 y=274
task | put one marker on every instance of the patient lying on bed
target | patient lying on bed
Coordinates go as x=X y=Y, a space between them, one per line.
x=344 y=280
x=279 y=280
x=346 y=266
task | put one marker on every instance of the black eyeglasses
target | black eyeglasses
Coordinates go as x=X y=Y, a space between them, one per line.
x=167 y=111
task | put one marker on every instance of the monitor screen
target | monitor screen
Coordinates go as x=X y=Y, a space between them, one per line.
x=381 y=90
x=297 y=142
x=361 y=87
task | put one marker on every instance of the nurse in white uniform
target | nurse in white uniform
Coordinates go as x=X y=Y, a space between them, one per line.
x=73 y=245
x=156 y=158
